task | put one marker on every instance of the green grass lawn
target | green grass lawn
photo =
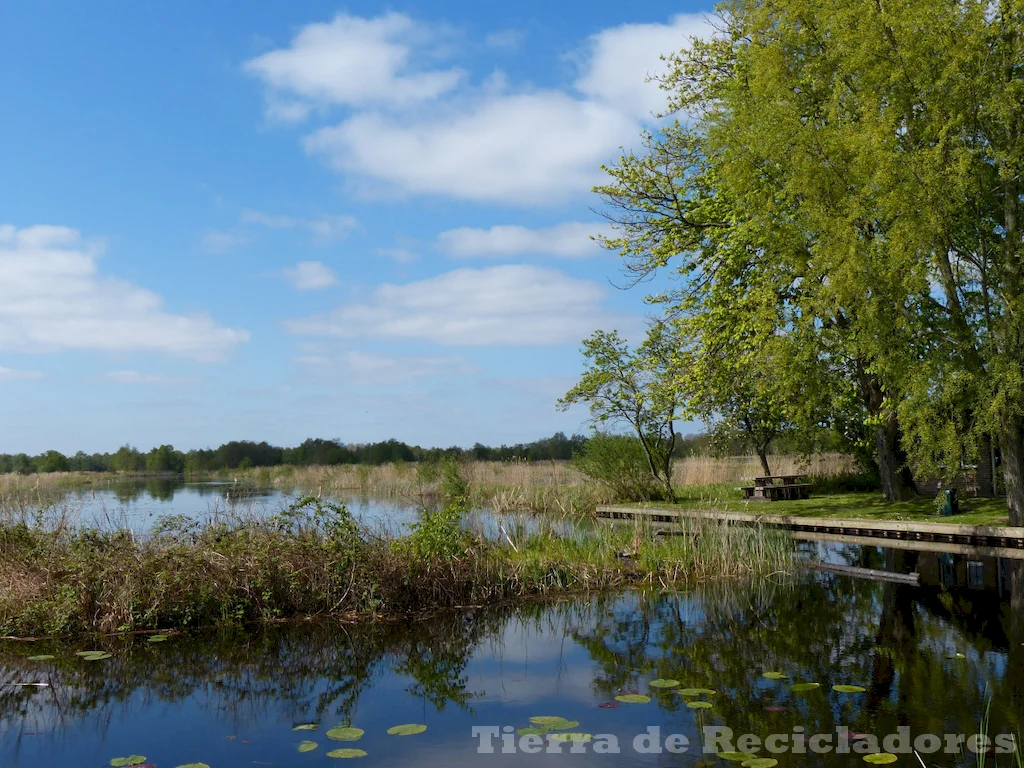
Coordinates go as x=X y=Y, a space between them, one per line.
x=845 y=505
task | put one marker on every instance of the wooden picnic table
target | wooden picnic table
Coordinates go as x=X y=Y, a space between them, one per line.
x=776 y=488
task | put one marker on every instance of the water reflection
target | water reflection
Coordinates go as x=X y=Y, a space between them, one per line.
x=232 y=698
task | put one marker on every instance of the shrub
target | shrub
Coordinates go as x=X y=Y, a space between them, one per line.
x=619 y=463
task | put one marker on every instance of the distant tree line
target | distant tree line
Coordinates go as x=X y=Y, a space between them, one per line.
x=241 y=454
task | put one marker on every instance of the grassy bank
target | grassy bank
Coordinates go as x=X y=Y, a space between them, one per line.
x=315 y=559
x=869 y=506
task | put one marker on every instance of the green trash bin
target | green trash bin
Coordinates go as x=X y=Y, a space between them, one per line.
x=950 y=504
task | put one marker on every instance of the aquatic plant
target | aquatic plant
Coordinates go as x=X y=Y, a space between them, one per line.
x=314 y=558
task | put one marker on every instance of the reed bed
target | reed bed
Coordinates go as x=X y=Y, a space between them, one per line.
x=550 y=486
x=314 y=559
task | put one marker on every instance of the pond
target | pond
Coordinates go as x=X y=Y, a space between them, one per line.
x=928 y=659
x=137 y=504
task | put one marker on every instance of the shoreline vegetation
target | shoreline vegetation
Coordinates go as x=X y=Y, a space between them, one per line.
x=314 y=559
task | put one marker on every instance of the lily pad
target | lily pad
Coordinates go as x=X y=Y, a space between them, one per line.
x=307 y=746
x=571 y=737
x=760 y=762
x=663 y=683
x=548 y=720
x=158 y=638
x=848 y=688
x=775 y=675
x=305 y=727
x=194 y=765
x=88 y=653
x=737 y=757
x=121 y=762
x=41 y=657
x=699 y=704
x=532 y=730
x=344 y=754
x=880 y=758
x=564 y=726
x=697 y=692
x=345 y=733
x=97 y=657
x=633 y=698
x=957 y=655
x=410 y=729
x=801 y=687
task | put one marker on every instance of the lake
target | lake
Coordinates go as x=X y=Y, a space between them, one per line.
x=927 y=657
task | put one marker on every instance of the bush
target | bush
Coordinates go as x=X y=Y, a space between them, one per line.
x=619 y=463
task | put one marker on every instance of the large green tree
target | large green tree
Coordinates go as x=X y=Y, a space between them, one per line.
x=869 y=154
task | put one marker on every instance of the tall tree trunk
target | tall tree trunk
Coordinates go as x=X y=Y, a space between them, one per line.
x=897 y=479
x=985 y=474
x=1012 y=443
x=762 y=454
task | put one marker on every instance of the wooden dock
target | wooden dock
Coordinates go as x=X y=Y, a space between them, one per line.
x=999 y=541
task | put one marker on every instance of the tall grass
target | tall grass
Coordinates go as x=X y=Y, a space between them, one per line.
x=551 y=486
x=316 y=559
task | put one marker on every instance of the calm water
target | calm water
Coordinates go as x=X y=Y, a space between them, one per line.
x=139 y=504
x=231 y=699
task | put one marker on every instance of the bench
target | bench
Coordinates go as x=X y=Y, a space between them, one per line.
x=776 y=492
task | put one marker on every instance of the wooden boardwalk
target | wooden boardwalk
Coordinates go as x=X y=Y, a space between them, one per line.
x=999 y=541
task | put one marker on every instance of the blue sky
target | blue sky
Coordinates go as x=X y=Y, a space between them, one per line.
x=310 y=219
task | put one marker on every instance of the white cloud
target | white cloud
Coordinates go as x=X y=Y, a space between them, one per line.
x=135 y=377
x=10 y=374
x=569 y=240
x=361 y=368
x=503 y=144
x=515 y=304
x=52 y=297
x=325 y=229
x=620 y=59
x=311 y=276
x=221 y=241
x=352 y=61
x=528 y=149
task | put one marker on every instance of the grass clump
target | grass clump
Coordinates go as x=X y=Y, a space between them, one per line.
x=315 y=559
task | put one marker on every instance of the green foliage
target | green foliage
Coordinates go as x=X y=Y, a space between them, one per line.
x=637 y=388
x=439 y=534
x=619 y=463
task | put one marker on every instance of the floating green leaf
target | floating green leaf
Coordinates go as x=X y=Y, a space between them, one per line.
x=411 y=729
x=345 y=733
x=699 y=704
x=801 y=687
x=97 y=657
x=87 y=653
x=760 y=762
x=573 y=737
x=737 y=757
x=548 y=720
x=41 y=657
x=121 y=762
x=305 y=727
x=158 y=638
x=346 y=753
x=697 y=692
x=663 y=683
x=194 y=765
x=775 y=676
x=532 y=730
x=880 y=758
x=564 y=726
x=633 y=698
x=307 y=746
x=848 y=688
